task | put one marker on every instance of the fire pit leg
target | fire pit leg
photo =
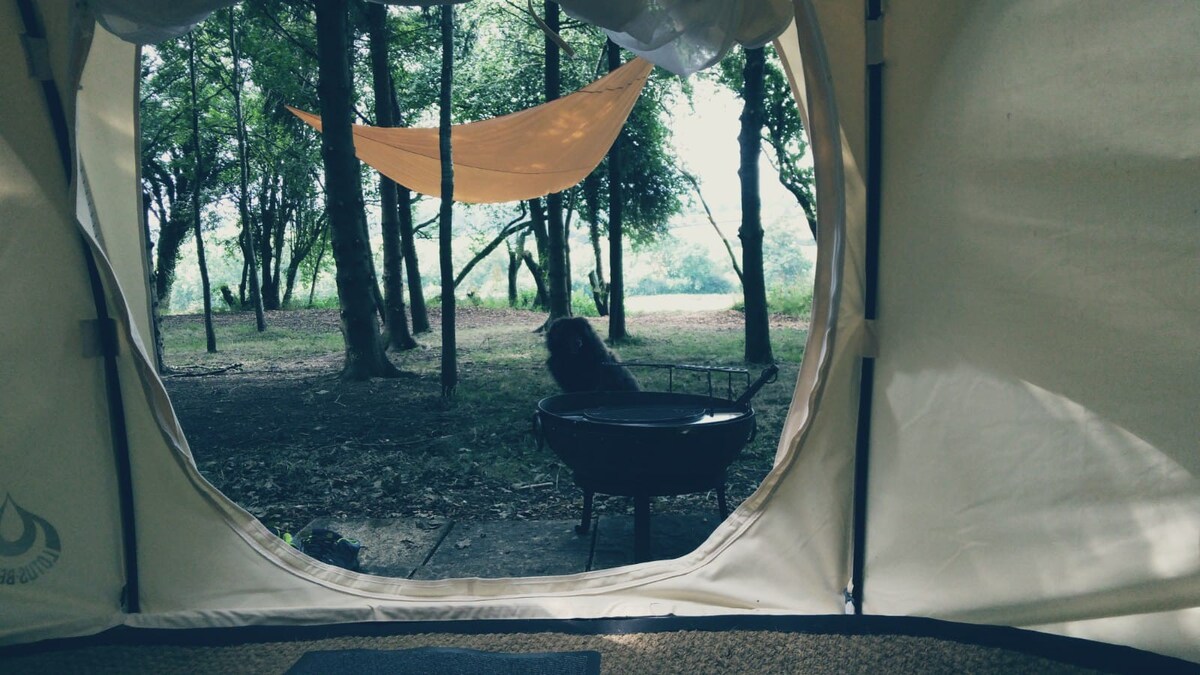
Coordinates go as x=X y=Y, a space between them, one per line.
x=721 y=505
x=585 y=524
x=641 y=528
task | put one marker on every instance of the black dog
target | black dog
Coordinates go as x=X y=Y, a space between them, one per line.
x=577 y=358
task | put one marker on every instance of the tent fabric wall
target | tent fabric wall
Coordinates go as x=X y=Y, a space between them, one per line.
x=1033 y=446
x=1034 y=451
x=56 y=459
x=109 y=174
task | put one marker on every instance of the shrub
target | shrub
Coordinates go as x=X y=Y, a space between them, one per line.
x=786 y=300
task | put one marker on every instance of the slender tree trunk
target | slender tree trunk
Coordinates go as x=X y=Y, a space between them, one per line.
x=172 y=232
x=539 y=276
x=446 y=214
x=312 y=284
x=271 y=295
x=537 y=218
x=273 y=216
x=155 y=309
x=591 y=199
x=616 y=203
x=737 y=269
x=758 y=331
x=244 y=179
x=514 y=267
x=365 y=357
x=210 y=335
x=408 y=244
x=397 y=335
x=560 y=286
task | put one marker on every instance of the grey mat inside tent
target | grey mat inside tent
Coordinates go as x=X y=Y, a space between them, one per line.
x=445 y=661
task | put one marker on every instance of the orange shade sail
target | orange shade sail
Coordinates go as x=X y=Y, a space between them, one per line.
x=527 y=154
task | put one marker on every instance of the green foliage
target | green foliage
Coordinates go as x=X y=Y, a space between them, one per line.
x=687 y=267
x=324 y=302
x=499 y=70
x=790 y=300
x=582 y=304
x=786 y=300
x=783 y=128
x=784 y=262
x=654 y=185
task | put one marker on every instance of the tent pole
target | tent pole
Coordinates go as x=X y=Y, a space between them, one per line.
x=874 y=183
x=106 y=326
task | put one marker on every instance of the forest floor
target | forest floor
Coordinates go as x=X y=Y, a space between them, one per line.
x=281 y=434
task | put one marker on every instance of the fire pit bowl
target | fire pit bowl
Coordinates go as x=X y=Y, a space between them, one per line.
x=646 y=444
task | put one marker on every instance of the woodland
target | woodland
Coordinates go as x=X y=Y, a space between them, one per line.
x=220 y=149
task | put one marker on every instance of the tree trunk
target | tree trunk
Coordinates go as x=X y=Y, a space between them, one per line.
x=616 y=265
x=312 y=284
x=397 y=336
x=172 y=232
x=556 y=268
x=416 y=292
x=244 y=178
x=155 y=309
x=267 y=216
x=539 y=277
x=514 y=266
x=365 y=357
x=446 y=213
x=537 y=218
x=591 y=199
x=273 y=217
x=271 y=294
x=758 y=331
x=210 y=335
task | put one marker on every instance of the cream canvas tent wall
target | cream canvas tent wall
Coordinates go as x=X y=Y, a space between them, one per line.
x=996 y=421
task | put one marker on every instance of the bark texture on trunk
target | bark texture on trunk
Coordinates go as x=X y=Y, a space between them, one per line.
x=248 y=248
x=556 y=267
x=365 y=357
x=616 y=264
x=397 y=336
x=446 y=214
x=758 y=331
x=416 y=292
x=210 y=335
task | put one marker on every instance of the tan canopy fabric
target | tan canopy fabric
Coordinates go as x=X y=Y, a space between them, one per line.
x=520 y=156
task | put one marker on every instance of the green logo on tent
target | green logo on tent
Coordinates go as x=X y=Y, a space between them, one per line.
x=29 y=544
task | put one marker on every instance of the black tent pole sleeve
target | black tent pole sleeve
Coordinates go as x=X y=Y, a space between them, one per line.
x=874 y=186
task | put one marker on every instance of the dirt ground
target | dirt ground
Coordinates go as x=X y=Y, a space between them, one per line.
x=290 y=441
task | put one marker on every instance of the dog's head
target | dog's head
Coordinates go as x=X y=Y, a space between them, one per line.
x=569 y=335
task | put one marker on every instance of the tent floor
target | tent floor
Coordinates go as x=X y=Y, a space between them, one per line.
x=720 y=644
x=442 y=549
